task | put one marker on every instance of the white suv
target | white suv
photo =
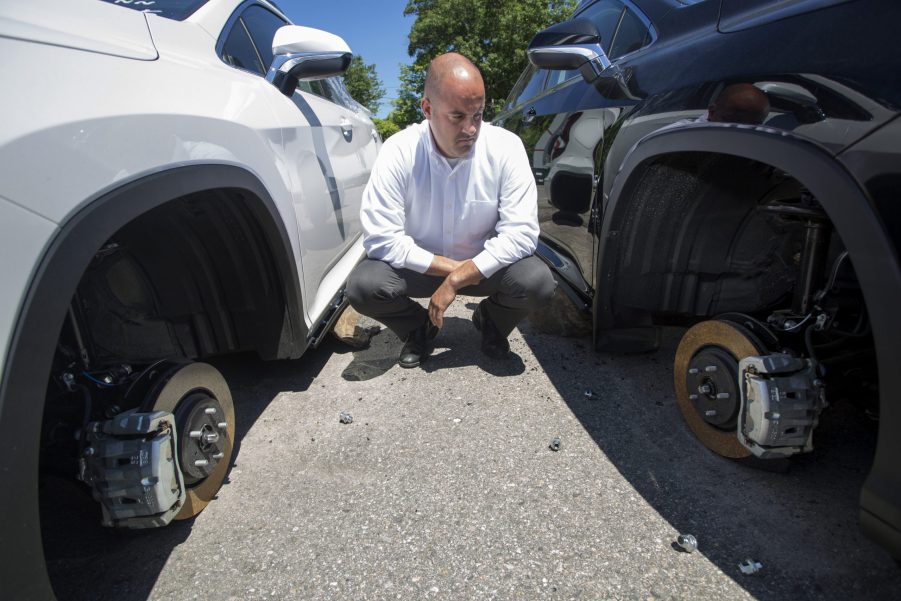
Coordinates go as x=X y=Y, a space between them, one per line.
x=178 y=181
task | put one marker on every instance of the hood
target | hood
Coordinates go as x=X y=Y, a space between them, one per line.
x=86 y=25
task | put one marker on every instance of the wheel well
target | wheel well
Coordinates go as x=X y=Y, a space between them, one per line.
x=45 y=308
x=193 y=277
x=695 y=240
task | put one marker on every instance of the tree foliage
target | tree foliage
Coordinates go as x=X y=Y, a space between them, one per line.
x=364 y=84
x=385 y=127
x=491 y=33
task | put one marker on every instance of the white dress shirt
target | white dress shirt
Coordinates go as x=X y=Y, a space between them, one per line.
x=416 y=205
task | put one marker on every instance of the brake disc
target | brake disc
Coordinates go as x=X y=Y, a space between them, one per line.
x=198 y=396
x=705 y=374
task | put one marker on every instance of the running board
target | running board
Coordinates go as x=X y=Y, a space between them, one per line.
x=570 y=281
x=329 y=317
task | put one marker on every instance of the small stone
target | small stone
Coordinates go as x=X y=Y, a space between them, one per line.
x=345 y=418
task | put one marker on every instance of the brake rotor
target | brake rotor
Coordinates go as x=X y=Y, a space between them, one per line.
x=705 y=374
x=198 y=396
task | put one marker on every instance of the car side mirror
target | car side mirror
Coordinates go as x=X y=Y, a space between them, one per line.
x=573 y=44
x=304 y=53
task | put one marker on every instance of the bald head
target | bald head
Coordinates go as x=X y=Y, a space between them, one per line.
x=452 y=70
x=740 y=103
x=453 y=102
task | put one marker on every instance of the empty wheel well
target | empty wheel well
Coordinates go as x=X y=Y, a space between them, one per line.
x=194 y=277
x=700 y=234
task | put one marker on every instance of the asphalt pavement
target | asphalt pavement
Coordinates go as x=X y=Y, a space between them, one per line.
x=444 y=486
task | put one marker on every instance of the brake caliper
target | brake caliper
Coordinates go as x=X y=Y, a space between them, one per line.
x=132 y=467
x=781 y=401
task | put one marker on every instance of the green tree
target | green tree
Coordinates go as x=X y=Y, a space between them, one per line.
x=406 y=105
x=364 y=84
x=492 y=33
x=385 y=127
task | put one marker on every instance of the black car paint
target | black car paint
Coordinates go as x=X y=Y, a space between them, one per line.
x=831 y=71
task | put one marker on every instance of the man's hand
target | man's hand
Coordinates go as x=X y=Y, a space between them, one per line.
x=443 y=266
x=439 y=303
x=465 y=274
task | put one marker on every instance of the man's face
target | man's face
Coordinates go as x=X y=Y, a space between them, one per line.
x=455 y=114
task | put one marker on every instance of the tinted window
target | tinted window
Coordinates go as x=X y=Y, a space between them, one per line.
x=253 y=53
x=630 y=36
x=171 y=9
x=529 y=85
x=239 y=52
x=605 y=15
x=262 y=26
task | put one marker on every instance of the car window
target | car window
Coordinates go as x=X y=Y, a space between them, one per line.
x=262 y=25
x=618 y=31
x=249 y=43
x=530 y=84
x=171 y=9
x=238 y=51
x=631 y=35
x=606 y=16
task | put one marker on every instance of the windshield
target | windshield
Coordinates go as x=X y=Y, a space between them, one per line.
x=171 y=9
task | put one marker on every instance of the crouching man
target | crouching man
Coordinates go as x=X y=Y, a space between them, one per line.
x=450 y=208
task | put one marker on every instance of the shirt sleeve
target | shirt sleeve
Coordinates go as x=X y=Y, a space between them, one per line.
x=382 y=214
x=517 y=226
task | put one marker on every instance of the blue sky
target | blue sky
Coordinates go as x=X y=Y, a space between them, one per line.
x=375 y=30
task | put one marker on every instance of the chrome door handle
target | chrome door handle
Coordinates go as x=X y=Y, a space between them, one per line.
x=347 y=129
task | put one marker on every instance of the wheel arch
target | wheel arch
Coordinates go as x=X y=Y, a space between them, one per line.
x=863 y=233
x=40 y=318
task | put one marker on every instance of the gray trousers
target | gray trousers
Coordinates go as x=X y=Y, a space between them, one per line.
x=377 y=290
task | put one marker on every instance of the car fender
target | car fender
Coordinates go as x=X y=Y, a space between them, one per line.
x=37 y=327
x=857 y=221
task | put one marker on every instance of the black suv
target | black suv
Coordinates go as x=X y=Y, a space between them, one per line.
x=733 y=166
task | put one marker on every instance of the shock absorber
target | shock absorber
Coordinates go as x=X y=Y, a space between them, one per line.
x=817 y=234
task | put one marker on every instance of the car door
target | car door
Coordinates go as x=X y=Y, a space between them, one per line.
x=561 y=121
x=327 y=150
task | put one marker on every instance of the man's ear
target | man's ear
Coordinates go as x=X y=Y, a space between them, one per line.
x=426 y=107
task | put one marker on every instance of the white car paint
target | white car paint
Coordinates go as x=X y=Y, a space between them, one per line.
x=106 y=95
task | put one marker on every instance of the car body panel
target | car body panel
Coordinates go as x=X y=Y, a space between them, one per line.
x=834 y=92
x=114 y=138
x=28 y=233
x=95 y=27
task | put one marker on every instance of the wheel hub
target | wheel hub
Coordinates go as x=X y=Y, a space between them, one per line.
x=199 y=419
x=712 y=384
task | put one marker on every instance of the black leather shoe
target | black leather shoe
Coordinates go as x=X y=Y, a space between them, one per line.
x=418 y=345
x=494 y=344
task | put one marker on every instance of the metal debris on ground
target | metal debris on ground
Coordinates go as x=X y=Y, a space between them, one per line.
x=687 y=543
x=345 y=418
x=588 y=394
x=555 y=444
x=749 y=566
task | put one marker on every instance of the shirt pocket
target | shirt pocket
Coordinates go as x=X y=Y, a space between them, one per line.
x=480 y=217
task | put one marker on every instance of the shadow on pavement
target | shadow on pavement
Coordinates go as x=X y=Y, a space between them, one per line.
x=802 y=525
x=457 y=345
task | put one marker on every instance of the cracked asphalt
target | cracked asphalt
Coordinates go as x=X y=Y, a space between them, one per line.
x=444 y=487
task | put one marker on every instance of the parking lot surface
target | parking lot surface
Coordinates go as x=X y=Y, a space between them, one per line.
x=444 y=487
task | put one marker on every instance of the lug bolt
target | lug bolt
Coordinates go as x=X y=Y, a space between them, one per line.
x=710 y=413
x=710 y=368
x=692 y=397
x=218 y=455
x=704 y=389
x=693 y=370
x=195 y=434
x=210 y=410
x=211 y=437
x=722 y=395
x=222 y=425
x=201 y=463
